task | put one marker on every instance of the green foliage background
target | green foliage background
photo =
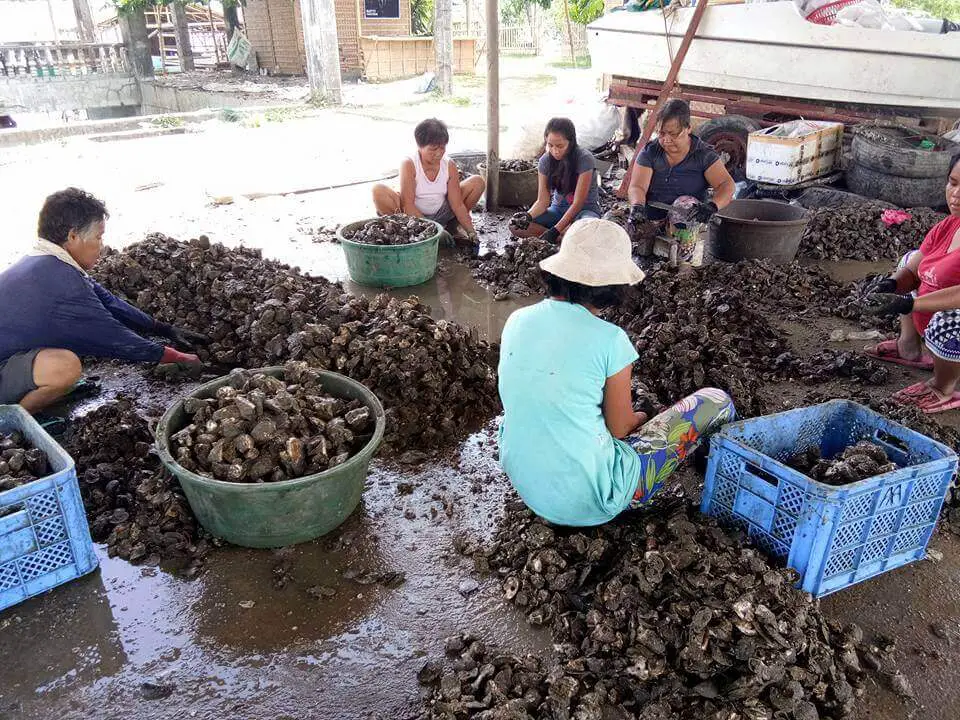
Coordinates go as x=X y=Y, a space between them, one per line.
x=949 y=9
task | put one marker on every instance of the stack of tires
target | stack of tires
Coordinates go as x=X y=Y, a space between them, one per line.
x=899 y=164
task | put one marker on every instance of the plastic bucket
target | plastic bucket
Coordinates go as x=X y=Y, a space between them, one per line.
x=754 y=229
x=266 y=515
x=517 y=189
x=390 y=265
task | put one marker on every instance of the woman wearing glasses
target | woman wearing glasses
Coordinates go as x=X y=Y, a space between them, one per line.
x=677 y=165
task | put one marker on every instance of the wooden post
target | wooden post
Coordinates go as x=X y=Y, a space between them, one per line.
x=213 y=35
x=359 y=4
x=493 y=105
x=469 y=19
x=85 y=27
x=651 y=121
x=443 y=45
x=566 y=14
x=181 y=31
x=323 y=52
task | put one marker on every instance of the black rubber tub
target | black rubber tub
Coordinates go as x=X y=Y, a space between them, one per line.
x=753 y=229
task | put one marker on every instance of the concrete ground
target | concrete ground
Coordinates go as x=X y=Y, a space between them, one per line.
x=232 y=645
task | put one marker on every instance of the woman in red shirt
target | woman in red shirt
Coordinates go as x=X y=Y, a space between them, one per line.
x=925 y=291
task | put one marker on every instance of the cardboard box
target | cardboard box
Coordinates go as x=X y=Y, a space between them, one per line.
x=794 y=152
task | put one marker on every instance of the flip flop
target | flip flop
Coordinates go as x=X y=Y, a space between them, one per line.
x=915 y=390
x=887 y=351
x=932 y=402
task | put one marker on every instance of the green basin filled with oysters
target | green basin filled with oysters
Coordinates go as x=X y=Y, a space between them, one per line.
x=267 y=494
x=391 y=251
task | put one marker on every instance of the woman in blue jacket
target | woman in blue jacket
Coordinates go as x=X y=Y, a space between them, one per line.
x=54 y=312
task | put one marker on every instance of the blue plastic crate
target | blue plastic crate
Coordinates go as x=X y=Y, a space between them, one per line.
x=44 y=536
x=833 y=536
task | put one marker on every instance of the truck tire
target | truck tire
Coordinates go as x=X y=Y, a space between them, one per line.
x=728 y=135
x=902 y=191
x=885 y=150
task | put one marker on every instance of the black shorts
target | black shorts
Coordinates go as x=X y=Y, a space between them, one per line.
x=16 y=377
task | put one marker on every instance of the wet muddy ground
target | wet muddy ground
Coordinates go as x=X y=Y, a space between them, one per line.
x=337 y=628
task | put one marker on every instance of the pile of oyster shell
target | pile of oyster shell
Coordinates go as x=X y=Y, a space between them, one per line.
x=435 y=377
x=261 y=428
x=20 y=462
x=657 y=616
x=392 y=230
x=857 y=462
x=132 y=504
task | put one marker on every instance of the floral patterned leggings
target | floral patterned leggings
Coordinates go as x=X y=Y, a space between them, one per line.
x=669 y=438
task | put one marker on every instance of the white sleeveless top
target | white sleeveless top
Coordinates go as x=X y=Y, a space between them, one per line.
x=431 y=195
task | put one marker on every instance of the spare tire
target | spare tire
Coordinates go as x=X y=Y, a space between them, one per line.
x=895 y=150
x=902 y=191
x=728 y=136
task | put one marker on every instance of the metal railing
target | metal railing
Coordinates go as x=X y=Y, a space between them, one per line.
x=58 y=59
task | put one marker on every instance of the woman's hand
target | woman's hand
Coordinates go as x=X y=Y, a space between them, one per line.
x=883 y=285
x=888 y=304
x=521 y=220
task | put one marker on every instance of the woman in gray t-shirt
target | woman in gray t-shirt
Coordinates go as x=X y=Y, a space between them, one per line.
x=568 y=186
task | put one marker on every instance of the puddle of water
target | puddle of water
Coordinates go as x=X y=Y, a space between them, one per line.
x=87 y=646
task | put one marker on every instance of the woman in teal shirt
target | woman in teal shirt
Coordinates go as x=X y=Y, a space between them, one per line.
x=572 y=444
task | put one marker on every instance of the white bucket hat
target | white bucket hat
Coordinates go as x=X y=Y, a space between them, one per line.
x=594 y=253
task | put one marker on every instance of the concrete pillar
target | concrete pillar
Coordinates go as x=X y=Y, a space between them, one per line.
x=443 y=45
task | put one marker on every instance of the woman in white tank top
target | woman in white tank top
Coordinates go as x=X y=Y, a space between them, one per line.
x=430 y=185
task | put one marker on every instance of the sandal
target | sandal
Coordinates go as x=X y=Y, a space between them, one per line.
x=913 y=391
x=887 y=351
x=932 y=402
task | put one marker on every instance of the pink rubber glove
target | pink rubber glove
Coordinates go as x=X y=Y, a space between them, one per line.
x=175 y=356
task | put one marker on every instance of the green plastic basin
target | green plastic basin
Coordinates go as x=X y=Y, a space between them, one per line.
x=390 y=265
x=267 y=515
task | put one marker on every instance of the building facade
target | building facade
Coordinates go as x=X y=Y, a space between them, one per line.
x=275 y=31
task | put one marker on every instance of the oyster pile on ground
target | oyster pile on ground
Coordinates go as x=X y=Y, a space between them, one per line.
x=261 y=428
x=516 y=271
x=654 y=616
x=517 y=165
x=396 y=229
x=20 y=462
x=856 y=232
x=435 y=378
x=132 y=504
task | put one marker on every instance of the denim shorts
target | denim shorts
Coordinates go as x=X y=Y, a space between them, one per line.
x=553 y=214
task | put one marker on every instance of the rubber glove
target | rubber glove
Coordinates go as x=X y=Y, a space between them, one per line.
x=187 y=338
x=521 y=220
x=551 y=235
x=888 y=304
x=171 y=355
x=636 y=217
x=702 y=212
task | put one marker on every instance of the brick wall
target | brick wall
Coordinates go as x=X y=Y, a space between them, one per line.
x=276 y=33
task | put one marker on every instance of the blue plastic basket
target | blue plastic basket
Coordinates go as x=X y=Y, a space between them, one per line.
x=44 y=536
x=833 y=536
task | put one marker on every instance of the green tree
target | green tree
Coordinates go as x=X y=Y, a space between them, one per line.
x=584 y=12
x=949 y=9
x=421 y=14
x=513 y=12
